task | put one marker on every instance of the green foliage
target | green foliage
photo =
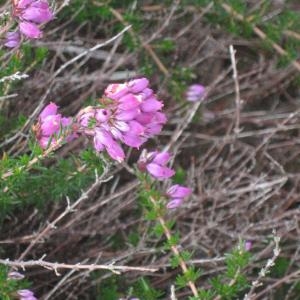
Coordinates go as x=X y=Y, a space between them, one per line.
x=280 y=268
x=274 y=27
x=179 y=176
x=64 y=177
x=205 y=295
x=233 y=281
x=181 y=77
x=133 y=238
x=175 y=259
x=191 y=275
x=143 y=290
x=173 y=241
x=10 y=124
x=107 y=289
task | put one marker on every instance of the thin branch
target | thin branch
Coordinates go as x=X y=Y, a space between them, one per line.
x=56 y=266
x=69 y=209
x=265 y=270
x=237 y=91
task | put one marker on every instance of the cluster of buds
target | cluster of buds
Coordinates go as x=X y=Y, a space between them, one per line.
x=128 y=113
x=29 y=15
x=155 y=163
x=176 y=193
x=52 y=127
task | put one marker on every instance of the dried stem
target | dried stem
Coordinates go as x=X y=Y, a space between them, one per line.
x=237 y=91
x=69 y=209
x=175 y=249
x=55 y=266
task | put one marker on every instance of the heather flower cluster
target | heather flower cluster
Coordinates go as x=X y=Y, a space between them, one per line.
x=129 y=113
x=29 y=14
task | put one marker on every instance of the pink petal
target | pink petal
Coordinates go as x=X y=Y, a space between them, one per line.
x=37 y=13
x=115 y=151
x=195 y=92
x=23 y=3
x=102 y=115
x=132 y=140
x=98 y=145
x=153 y=129
x=162 y=158
x=146 y=93
x=116 y=91
x=160 y=117
x=50 y=109
x=136 y=128
x=85 y=118
x=138 y=85
x=13 y=39
x=66 y=121
x=174 y=203
x=159 y=172
x=126 y=115
x=151 y=105
x=144 y=118
x=123 y=126
x=178 y=191
x=112 y=147
x=25 y=293
x=30 y=30
x=51 y=125
x=128 y=102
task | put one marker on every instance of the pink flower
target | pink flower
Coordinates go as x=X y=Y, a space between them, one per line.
x=50 y=125
x=15 y=275
x=29 y=14
x=155 y=163
x=30 y=30
x=177 y=193
x=129 y=113
x=13 y=39
x=195 y=92
x=104 y=140
x=248 y=245
x=36 y=11
x=26 y=295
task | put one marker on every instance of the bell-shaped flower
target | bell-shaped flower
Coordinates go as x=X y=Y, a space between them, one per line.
x=30 y=30
x=176 y=193
x=195 y=92
x=26 y=295
x=50 y=125
x=13 y=39
x=155 y=163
